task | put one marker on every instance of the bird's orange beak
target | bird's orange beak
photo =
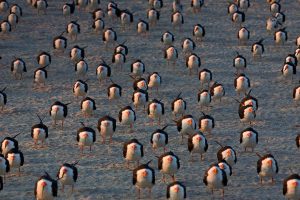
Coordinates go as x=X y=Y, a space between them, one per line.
x=248 y=134
x=170 y=159
x=228 y=153
x=221 y=165
x=270 y=162
x=44 y=184
x=128 y=113
x=176 y=189
x=199 y=138
x=215 y=171
x=295 y=184
x=85 y=135
x=190 y=122
x=145 y=173
x=133 y=147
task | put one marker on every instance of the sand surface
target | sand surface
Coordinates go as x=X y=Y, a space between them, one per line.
x=102 y=173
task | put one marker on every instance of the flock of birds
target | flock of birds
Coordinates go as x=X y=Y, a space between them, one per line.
x=198 y=132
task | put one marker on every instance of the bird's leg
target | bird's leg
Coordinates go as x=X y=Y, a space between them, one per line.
x=72 y=188
x=103 y=139
x=110 y=139
x=164 y=178
x=222 y=193
x=202 y=157
x=63 y=188
x=19 y=173
x=62 y=124
x=261 y=180
x=273 y=181
x=139 y=193
x=173 y=178
x=150 y=193
x=181 y=139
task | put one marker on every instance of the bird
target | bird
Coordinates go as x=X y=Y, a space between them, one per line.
x=206 y=123
x=73 y=29
x=186 y=125
x=217 y=91
x=215 y=178
x=88 y=106
x=249 y=138
x=109 y=37
x=43 y=59
x=205 y=77
x=280 y=36
x=119 y=59
x=13 y=19
x=243 y=35
x=68 y=9
x=153 y=16
x=258 y=49
x=103 y=71
x=127 y=116
x=171 y=55
x=45 y=187
x=39 y=132
x=159 y=139
x=15 y=158
x=226 y=153
x=188 y=46
x=41 y=5
x=288 y=70
x=197 y=143
x=98 y=25
x=155 y=110
x=240 y=63
x=68 y=174
x=241 y=83
x=137 y=68
x=176 y=190
x=60 y=43
x=18 y=66
x=177 y=20
x=168 y=163
x=267 y=166
x=199 y=32
x=296 y=93
x=15 y=8
x=140 y=98
x=3 y=98
x=154 y=81
x=86 y=136
x=143 y=177
x=197 y=5
x=291 y=185
x=9 y=143
x=106 y=127
x=114 y=91
x=4 y=166
x=59 y=111
x=133 y=151
x=178 y=106
x=204 y=98
x=77 y=53
x=126 y=18
x=167 y=38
